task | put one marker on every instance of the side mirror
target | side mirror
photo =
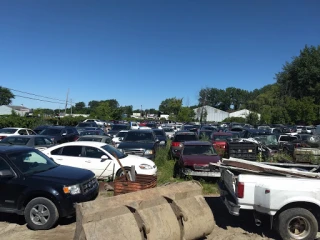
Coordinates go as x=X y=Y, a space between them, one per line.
x=104 y=158
x=6 y=174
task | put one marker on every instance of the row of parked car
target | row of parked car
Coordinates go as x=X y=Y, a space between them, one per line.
x=44 y=171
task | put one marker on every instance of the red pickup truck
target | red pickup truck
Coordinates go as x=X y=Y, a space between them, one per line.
x=220 y=142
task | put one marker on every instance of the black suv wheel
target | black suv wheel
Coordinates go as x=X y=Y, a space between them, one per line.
x=41 y=214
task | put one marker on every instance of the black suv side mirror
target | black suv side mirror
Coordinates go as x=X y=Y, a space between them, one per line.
x=6 y=174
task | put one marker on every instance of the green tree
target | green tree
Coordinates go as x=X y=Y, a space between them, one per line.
x=80 y=107
x=186 y=114
x=102 y=111
x=301 y=77
x=6 y=96
x=171 y=106
x=252 y=118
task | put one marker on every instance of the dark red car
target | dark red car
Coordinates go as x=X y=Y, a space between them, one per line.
x=195 y=158
x=220 y=142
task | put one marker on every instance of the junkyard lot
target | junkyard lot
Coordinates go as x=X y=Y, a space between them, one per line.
x=13 y=227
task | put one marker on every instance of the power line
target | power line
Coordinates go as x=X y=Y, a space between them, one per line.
x=35 y=95
x=38 y=99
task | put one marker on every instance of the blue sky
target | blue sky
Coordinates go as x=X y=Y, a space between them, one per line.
x=141 y=52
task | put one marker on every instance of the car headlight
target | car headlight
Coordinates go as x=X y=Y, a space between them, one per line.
x=148 y=152
x=73 y=190
x=145 y=166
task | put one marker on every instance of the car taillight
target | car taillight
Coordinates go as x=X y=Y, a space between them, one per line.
x=240 y=190
x=2 y=137
x=175 y=144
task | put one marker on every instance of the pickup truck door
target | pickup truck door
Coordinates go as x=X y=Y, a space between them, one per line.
x=10 y=188
x=92 y=160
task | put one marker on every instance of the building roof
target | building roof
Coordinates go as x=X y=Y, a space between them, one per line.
x=18 y=108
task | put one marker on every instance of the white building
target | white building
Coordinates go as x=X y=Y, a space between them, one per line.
x=7 y=110
x=216 y=115
x=212 y=114
x=242 y=113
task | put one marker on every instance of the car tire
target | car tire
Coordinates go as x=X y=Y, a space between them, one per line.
x=175 y=170
x=121 y=173
x=293 y=218
x=41 y=214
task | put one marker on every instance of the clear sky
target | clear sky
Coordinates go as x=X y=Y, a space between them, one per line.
x=141 y=52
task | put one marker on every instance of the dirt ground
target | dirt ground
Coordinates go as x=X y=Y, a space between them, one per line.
x=13 y=227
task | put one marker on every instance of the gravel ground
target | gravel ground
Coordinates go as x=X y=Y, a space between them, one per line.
x=13 y=227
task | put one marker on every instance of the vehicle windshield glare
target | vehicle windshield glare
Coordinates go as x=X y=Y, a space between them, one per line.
x=139 y=136
x=114 y=151
x=267 y=139
x=15 y=140
x=199 y=150
x=121 y=134
x=221 y=137
x=8 y=130
x=119 y=127
x=31 y=161
x=51 y=131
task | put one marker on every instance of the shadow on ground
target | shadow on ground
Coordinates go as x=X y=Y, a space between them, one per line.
x=18 y=219
x=245 y=221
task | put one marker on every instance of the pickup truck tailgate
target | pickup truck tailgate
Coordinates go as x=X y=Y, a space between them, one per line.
x=229 y=181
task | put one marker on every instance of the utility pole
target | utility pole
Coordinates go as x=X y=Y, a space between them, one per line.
x=65 y=107
x=71 y=106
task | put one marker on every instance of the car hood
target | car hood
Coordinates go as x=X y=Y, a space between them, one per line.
x=144 y=145
x=64 y=175
x=199 y=159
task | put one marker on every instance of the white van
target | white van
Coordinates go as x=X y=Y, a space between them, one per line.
x=134 y=125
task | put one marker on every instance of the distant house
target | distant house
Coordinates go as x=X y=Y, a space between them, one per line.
x=242 y=113
x=210 y=114
x=20 y=110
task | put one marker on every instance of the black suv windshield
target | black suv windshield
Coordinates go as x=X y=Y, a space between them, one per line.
x=114 y=151
x=139 y=136
x=185 y=137
x=51 y=131
x=31 y=161
x=119 y=127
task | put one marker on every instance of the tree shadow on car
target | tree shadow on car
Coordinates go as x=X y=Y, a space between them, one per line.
x=223 y=219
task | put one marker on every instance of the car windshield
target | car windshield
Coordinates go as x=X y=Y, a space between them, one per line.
x=199 y=150
x=186 y=137
x=31 y=161
x=114 y=151
x=8 y=130
x=89 y=133
x=221 y=137
x=51 y=131
x=121 y=134
x=168 y=129
x=15 y=140
x=84 y=124
x=93 y=139
x=159 y=133
x=267 y=139
x=139 y=136
x=119 y=127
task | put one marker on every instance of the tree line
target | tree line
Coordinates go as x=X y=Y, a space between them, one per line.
x=294 y=98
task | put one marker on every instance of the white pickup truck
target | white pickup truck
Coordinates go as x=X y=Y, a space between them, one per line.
x=291 y=203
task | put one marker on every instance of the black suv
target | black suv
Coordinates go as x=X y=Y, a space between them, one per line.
x=33 y=185
x=117 y=128
x=140 y=142
x=177 y=142
x=61 y=134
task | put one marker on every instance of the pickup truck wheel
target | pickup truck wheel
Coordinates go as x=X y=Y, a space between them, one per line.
x=41 y=214
x=297 y=223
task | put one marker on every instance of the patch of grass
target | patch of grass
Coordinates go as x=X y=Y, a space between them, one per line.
x=165 y=172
